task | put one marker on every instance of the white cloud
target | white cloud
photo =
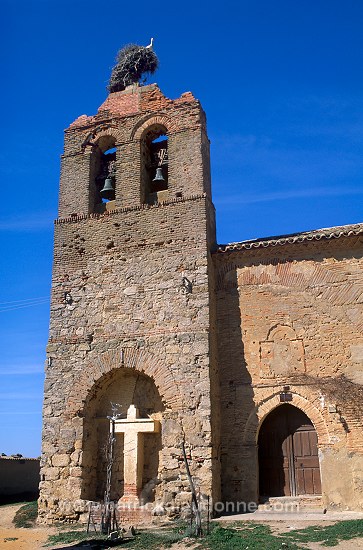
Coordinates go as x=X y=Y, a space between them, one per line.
x=28 y=222
x=20 y=413
x=21 y=369
x=31 y=394
x=244 y=198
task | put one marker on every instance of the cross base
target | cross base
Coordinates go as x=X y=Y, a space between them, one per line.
x=130 y=496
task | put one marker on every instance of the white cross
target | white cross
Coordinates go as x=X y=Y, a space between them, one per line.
x=133 y=427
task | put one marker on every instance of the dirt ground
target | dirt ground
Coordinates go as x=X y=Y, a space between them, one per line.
x=20 y=539
x=34 y=539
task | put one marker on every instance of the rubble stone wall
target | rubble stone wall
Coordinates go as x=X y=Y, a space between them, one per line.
x=124 y=306
x=131 y=305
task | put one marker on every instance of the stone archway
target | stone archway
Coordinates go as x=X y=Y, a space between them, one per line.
x=125 y=388
x=288 y=454
x=140 y=360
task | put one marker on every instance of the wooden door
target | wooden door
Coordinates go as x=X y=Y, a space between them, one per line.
x=288 y=454
x=306 y=461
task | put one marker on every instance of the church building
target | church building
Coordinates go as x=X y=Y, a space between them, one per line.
x=251 y=353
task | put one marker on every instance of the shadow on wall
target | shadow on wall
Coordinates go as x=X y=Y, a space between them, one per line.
x=239 y=463
x=19 y=479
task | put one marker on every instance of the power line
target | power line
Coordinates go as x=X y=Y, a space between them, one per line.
x=21 y=306
x=25 y=300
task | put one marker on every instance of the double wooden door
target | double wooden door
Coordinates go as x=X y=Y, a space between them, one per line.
x=288 y=454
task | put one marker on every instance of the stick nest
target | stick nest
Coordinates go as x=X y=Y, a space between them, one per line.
x=133 y=62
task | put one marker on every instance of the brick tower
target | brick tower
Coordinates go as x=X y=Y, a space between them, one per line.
x=132 y=313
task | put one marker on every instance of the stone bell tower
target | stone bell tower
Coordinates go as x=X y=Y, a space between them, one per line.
x=132 y=312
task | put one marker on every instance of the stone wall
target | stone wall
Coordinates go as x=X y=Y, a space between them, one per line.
x=130 y=296
x=146 y=311
x=292 y=316
x=131 y=308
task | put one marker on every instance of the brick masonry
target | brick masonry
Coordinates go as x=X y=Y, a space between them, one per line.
x=307 y=296
x=146 y=309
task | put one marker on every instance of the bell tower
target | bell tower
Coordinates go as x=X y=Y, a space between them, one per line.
x=132 y=312
x=141 y=148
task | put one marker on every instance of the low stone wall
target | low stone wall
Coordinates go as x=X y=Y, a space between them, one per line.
x=19 y=476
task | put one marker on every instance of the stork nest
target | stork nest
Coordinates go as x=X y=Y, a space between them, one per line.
x=133 y=62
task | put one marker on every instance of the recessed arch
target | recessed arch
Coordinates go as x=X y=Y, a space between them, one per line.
x=154 y=173
x=288 y=454
x=153 y=131
x=277 y=330
x=139 y=360
x=262 y=409
x=110 y=130
x=103 y=177
x=150 y=120
x=105 y=142
x=116 y=392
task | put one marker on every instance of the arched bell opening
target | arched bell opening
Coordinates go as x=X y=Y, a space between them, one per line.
x=288 y=454
x=154 y=164
x=130 y=391
x=103 y=175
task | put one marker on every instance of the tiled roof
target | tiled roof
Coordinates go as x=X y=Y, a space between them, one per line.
x=315 y=235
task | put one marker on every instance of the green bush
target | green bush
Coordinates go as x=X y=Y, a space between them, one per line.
x=26 y=515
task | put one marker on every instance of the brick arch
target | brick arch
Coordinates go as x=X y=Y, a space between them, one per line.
x=150 y=120
x=276 y=330
x=262 y=409
x=134 y=359
x=109 y=131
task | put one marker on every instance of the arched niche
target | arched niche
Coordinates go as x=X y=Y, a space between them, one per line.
x=288 y=454
x=154 y=164
x=123 y=387
x=103 y=174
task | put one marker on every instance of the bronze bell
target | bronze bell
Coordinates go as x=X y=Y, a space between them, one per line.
x=159 y=175
x=108 y=192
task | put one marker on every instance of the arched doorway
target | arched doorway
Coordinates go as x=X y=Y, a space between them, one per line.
x=288 y=454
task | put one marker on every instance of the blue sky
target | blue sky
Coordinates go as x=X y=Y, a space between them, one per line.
x=280 y=81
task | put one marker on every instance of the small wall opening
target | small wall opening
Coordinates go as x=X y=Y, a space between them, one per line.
x=103 y=175
x=154 y=165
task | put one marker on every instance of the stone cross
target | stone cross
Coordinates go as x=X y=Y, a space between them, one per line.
x=133 y=427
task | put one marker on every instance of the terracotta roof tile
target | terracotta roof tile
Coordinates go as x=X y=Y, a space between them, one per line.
x=315 y=235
